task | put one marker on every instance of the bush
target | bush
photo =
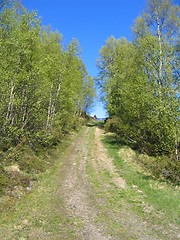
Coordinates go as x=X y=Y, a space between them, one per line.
x=112 y=125
x=162 y=167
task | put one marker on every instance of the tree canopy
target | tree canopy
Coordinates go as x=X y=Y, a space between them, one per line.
x=140 y=81
x=44 y=86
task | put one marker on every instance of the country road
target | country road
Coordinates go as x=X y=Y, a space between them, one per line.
x=82 y=199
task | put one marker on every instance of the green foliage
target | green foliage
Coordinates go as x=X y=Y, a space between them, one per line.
x=4 y=181
x=140 y=82
x=147 y=174
x=44 y=89
x=161 y=167
x=43 y=85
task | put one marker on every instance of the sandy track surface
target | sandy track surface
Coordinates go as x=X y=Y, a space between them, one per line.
x=77 y=191
x=81 y=200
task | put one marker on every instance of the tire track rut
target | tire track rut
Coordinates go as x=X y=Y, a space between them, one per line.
x=77 y=192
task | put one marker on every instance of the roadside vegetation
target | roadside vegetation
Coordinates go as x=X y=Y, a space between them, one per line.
x=40 y=213
x=145 y=188
x=140 y=84
x=45 y=92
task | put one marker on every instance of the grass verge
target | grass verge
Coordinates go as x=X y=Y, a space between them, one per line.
x=161 y=196
x=40 y=214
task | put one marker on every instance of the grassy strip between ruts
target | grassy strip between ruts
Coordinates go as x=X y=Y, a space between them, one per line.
x=160 y=195
x=117 y=206
x=104 y=199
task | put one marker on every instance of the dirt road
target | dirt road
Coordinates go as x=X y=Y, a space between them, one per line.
x=81 y=200
x=86 y=192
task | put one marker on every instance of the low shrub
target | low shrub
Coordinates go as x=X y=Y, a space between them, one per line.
x=162 y=167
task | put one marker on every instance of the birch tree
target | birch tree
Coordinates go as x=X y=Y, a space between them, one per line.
x=43 y=84
x=140 y=81
x=157 y=32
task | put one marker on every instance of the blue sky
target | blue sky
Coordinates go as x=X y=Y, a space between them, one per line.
x=91 y=22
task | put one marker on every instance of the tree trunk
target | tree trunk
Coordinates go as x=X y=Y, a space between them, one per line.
x=10 y=104
x=160 y=81
x=49 y=109
x=24 y=109
x=55 y=101
x=176 y=147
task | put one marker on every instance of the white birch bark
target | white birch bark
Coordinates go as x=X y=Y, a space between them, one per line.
x=49 y=108
x=10 y=104
x=160 y=53
x=55 y=101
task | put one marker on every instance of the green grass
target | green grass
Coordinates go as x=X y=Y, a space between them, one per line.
x=163 y=196
x=107 y=199
x=41 y=212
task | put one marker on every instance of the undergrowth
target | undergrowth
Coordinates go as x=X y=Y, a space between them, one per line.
x=22 y=166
